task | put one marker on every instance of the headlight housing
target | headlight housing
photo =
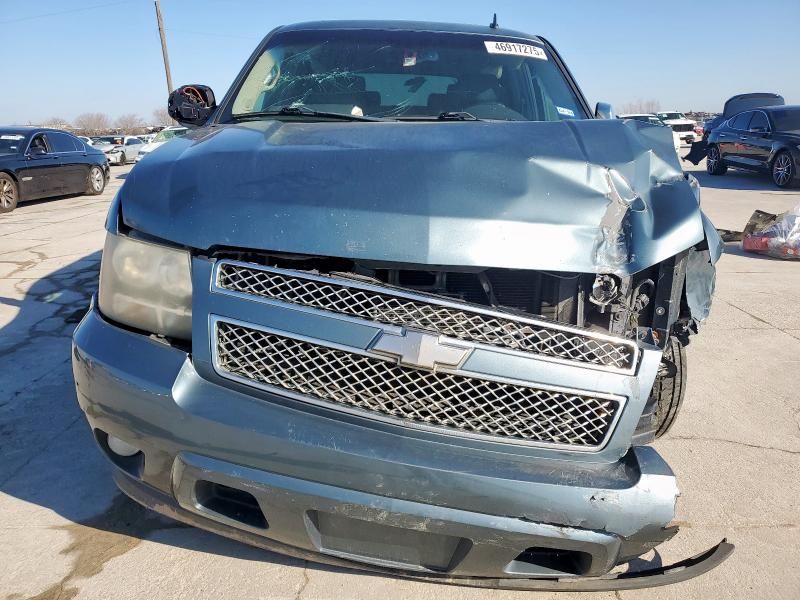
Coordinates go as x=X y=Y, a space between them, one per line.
x=147 y=286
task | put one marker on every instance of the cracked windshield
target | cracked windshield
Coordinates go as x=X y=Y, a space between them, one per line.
x=407 y=75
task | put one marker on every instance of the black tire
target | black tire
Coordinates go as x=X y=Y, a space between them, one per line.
x=123 y=159
x=9 y=193
x=670 y=386
x=96 y=181
x=714 y=164
x=782 y=169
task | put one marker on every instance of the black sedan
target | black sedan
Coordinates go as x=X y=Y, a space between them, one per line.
x=39 y=163
x=764 y=139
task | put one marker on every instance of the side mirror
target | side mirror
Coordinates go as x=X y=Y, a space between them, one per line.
x=603 y=110
x=191 y=105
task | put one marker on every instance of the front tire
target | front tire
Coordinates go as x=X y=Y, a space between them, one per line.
x=9 y=193
x=97 y=181
x=669 y=387
x=714 y=164
x=782 y=170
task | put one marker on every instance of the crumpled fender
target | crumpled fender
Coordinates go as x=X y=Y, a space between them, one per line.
x=701 y=272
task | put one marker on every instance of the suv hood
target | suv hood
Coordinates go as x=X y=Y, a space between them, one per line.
x=589 y=196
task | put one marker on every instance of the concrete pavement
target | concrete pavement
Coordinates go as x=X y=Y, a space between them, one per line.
x=67 y=533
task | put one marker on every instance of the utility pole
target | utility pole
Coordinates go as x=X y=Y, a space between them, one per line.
x=163 y=46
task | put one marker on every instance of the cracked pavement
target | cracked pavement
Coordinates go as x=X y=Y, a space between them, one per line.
x=67 y=533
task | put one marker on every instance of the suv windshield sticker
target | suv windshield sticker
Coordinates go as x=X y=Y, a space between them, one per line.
x=565 y=111
x=515 y=49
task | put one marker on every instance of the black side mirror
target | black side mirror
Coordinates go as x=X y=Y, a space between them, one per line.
x=37 y=151
x=191 y=105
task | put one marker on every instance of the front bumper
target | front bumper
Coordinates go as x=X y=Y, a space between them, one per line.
x=364 y=495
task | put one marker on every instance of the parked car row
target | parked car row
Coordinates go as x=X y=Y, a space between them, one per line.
x=655 y=120
x=40 y=163
x=122 y=149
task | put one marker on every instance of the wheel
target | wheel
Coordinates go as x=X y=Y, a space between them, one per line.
x=714 y=164
x=670 y=386
x=783 y=170
x=97 y=181
x=9 y=193
x=122 y=158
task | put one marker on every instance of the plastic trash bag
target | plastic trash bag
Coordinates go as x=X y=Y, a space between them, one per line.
x=773 y=235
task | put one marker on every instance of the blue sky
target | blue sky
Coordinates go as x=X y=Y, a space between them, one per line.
x=64 y=58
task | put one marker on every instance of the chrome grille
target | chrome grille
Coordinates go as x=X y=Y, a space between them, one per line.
x=423 y=312
x=439 y=399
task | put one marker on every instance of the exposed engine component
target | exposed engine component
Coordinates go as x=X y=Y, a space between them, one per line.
x=604 y=290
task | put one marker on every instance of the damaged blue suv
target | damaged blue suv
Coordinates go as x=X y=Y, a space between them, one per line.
x=402 y=302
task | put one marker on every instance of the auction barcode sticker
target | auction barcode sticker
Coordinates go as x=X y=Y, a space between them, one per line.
x=515 y=49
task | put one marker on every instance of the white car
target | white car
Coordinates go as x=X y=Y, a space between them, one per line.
x=86 y=140
x=161 y=138
x=119 y=149
x=654 y=120
x=680 y=124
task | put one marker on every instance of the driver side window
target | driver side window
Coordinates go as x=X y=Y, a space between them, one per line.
x=759 y=122
x=741 y=120
x=39 y=142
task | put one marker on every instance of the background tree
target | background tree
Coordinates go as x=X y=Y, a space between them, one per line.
x=129 y=122
x=161 y=117
x=57 y=123
x=93 y=122
x=641 y=106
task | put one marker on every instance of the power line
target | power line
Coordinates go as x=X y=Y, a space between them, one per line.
x=64 y=12
x=213 y=34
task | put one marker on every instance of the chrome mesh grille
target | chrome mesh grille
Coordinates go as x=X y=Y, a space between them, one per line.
x=434 y=398
x=425 y=313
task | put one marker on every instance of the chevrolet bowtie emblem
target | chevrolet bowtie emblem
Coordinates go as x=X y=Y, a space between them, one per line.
x=420 y=349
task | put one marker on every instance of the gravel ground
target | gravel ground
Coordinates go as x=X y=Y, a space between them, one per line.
x=67 y=533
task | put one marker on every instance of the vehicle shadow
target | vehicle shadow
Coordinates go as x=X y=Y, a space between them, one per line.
x=49 y=455
x=48 y=200
x=740 y=180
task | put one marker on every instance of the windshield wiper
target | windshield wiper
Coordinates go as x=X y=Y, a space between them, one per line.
x=457 y=116
x=443 y=116
x=303 y=111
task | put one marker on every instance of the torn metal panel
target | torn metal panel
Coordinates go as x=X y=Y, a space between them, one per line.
x=528 y=195
x=701 y=278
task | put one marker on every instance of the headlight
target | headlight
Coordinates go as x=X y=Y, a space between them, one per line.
x=146 y=286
